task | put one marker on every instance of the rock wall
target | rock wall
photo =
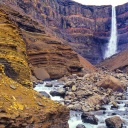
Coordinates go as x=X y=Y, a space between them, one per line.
x=45 y=52
x=85 y=28
x=22 y=107
x=122 y=24
x=13 y=52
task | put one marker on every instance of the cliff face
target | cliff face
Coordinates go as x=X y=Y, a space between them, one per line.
x=46 y=53
x=13 y=52
x=21 y=107
x=85 y=28
x=122 y=24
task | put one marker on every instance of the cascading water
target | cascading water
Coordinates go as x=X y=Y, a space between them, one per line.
x=75 y=116
x=112 y=45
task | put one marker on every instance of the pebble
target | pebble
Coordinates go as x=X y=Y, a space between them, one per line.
x=13 y=87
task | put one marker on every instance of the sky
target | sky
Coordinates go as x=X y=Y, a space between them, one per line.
x=101 y=2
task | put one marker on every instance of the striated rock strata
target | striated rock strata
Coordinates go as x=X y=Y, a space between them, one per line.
x=85 y=28
x=22 y=107
x=45 y=52
x=13 y=52
x=122 y=25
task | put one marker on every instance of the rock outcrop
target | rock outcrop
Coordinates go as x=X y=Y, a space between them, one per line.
x=13 y=52
x=20 y=105
x=45 y=52
x=85 y=28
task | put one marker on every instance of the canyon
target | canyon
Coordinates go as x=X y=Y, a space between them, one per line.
x=58 y=39
x=85 y=28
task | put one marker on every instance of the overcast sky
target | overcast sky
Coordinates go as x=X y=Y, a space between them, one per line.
x=101 y=2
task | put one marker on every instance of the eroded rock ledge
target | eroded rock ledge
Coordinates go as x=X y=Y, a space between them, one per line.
x=22 y=107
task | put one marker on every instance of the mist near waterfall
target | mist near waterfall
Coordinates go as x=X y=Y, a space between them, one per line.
x=111 y=47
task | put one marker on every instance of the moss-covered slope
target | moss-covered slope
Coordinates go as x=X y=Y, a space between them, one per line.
x=20 y=105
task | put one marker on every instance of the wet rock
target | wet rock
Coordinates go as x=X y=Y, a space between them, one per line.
x=44 y=94
x=114 y=122
x=102 y=108
x=126 y=104
x=88 y=118
x=59 y=92
x=80 y=126
x=48 y=85
x=114 y=105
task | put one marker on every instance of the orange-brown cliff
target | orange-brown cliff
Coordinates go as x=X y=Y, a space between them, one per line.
x=21 y=106
x=46 y=54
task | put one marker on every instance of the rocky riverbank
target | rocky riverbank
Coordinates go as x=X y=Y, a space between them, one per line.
x=89 y=94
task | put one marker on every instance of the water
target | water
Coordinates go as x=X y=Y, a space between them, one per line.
x=111 y=48
x=75 y=116
x=42 y=87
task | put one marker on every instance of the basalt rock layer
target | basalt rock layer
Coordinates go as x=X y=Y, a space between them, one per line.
x=85 y=28
x=20 y=105
x=44 y=51
x=122 y=25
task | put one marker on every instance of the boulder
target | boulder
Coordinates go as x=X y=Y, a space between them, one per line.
x=112 y=83
x=114 y=122
x=89 y=118
x=48 y=85
x=41 y=73
x=80 y=126
x=59 y=92
x=69 y=84
x=44 y=94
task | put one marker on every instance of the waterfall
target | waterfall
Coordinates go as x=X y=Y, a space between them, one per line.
x=111 y=48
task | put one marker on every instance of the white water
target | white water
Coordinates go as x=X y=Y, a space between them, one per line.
x=112 y=45
x=75 y=117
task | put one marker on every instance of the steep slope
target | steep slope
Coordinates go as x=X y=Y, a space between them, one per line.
x=85 y=28
x=22 y=107
x=13 y=52
x=118 y=61
x=45 y=52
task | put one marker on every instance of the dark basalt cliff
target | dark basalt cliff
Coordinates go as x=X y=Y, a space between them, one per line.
x=85 y=28
x=122 y=24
